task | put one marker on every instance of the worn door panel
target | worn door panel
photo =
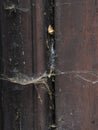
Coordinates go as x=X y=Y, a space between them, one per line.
x=22 y=37
x=77 y=54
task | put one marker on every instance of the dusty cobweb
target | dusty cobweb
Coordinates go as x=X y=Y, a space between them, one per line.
x=24 y=80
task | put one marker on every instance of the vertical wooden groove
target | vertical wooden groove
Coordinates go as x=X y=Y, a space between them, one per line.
x=1 y=111
x=52 y=56
x=41 y=20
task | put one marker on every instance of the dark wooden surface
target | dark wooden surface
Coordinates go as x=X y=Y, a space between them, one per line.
x=24 y=43
x=17 y=102
x=76 y=28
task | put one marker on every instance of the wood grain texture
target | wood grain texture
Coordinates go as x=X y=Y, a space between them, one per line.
x=23 y=40
x=16 y=40
x=76 y=24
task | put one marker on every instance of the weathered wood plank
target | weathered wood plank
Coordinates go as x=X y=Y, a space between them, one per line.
x=16 y=42
x=76 y=47
x=23 y=37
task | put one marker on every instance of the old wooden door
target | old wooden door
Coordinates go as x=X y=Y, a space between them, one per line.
x=48 y=64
